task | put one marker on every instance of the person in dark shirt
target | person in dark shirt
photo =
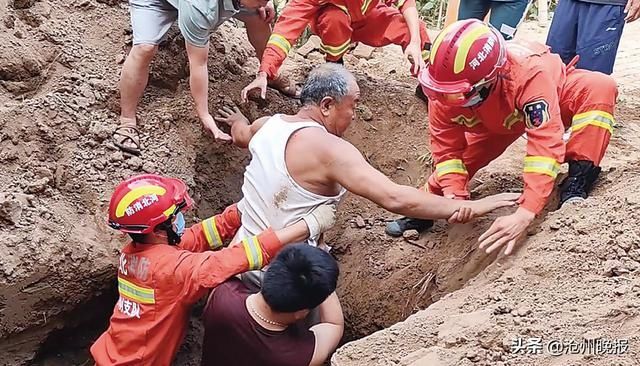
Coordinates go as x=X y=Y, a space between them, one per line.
x=268 y=328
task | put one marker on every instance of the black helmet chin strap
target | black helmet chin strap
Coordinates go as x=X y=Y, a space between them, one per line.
x=172 y=236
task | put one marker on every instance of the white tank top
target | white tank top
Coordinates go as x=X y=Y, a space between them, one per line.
x=271 y=196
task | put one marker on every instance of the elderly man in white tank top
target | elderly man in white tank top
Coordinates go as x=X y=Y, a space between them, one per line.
x=301 y=161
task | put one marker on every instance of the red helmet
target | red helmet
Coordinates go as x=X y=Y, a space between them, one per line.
x=465 y=56
x=142 y=202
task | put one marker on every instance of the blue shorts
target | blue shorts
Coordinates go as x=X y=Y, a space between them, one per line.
x=505 y=16
x=591 y=31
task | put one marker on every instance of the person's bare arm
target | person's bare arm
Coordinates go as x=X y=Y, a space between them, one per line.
x=241 y=130
x=329 y=332
x=347 y=166
x=413 y=51
x=199 y=83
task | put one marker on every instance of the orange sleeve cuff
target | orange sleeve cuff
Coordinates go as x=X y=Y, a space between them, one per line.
x=270 y=244
x=532 y=202
x=271 y=61
x=454 y=184
x=228 y=222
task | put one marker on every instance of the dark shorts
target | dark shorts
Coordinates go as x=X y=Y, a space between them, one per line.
x=505 y=16
x=591 y=31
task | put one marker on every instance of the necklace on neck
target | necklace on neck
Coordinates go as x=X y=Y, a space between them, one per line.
x=256 y=313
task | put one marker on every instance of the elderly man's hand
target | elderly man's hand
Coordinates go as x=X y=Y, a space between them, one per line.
x=506 y=230
x=472 y=209
x=230 y=116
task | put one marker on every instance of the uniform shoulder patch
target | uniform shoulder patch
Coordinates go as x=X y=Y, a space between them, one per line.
x=536 y=113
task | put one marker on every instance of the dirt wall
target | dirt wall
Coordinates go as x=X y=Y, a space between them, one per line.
x=574 y=283
x=59 y=68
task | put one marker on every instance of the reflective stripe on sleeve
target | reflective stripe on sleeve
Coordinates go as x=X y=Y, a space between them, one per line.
x=132 y=291
x=211 y=233
x=594 y=118
x=541 y=165
x=253 y=250
x=452 y=166
x=280 y=42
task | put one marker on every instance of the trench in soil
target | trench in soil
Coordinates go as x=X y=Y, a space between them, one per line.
x=383 y=280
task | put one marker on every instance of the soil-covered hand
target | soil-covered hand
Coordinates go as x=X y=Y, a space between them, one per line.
x=506 y=230
x=230 y=115
x=211 y=125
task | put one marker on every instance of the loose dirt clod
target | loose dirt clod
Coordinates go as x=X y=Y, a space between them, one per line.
x=411 y=235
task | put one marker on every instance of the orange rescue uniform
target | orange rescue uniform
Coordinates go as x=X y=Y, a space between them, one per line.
x=158 y=284
x=339 y=23
x=537 y=94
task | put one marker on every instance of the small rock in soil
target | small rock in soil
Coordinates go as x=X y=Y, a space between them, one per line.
x=99 y=165
x=635 y=254
x=10 y=21
x=100 y=131
x=614 y=268
x=363 y=51
x=620 y=290
x=411 y=235
x=10 y=210
x=523 y=311
x=23 y=4
x=117 y=156
x=37 y=186
x=135 y=163
x=313 y=43
x=360 y=223
x=501 y=309
x=148 y=167
x=365 y=113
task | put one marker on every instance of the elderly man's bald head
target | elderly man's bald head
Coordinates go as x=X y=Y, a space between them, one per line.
x=327 y=80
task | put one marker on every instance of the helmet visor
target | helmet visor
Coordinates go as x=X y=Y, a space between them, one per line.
x=458 y=94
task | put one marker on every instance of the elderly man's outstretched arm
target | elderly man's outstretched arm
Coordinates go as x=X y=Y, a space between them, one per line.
x=346 y=165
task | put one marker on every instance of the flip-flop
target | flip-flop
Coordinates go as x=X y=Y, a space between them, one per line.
x=122 y=131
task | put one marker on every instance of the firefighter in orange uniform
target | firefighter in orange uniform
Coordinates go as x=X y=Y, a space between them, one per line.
x=167 y=268
x=339 y=23
x=484 y=93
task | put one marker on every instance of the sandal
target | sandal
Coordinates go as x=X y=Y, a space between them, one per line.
x=285 y=86
x=127 y=133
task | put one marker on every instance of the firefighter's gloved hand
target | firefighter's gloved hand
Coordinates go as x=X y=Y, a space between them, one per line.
x=320 y=219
